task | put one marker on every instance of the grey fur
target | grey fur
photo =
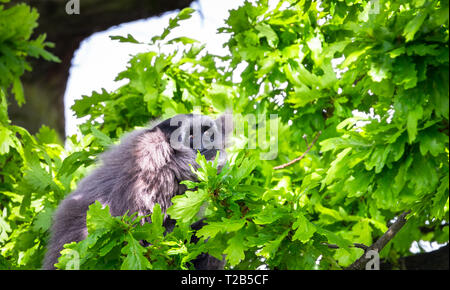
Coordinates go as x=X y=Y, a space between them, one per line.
x=142 y=170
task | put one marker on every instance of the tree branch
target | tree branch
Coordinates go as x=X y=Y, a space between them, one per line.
x=301 y=157
x=356 y=245
x=381 y=242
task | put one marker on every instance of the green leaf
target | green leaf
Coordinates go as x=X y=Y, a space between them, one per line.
x=213 y=228
x=378 y=72
x=305 y=229
x=43 y=220
x=270 y=248
x=99 y=218
x=129 y=38
x=184 y=14
x=73 y=162
x=3 y=109
x=24 y=240
x=235 y=250
x=268 y=215
x=441 y=198
x=265 y=30
x=157 y=215
x=335 y=239
x=404 y=72
x=357 y=184
x=414 y=25
x=433 y=142
x=5 y=140
x=385 y=193
x=336 y=168
x=37 y=177
x=47 y=135
x=154 y=231
x=102 y=138
x=17 y=90
x=86 y=103
x=354 y=56
x=377 y=159
x=36 y=48
x=183 y=40
x=414 y=115
x=186 y=206
x=423 y=49
x=135 y=259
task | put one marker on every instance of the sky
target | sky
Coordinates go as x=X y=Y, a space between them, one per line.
x=99 y=59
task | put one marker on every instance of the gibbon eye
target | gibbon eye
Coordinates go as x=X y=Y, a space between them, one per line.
x=209 y=136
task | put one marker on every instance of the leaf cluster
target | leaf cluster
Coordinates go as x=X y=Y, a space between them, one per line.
x=16 y=27
x=372 y=78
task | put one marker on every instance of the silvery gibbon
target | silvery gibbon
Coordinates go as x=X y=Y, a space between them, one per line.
x=145 y=168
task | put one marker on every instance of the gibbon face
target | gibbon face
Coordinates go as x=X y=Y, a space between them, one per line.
x=198 y=133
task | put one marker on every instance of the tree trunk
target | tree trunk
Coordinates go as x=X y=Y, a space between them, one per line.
x=435 y=260
x=45 y=86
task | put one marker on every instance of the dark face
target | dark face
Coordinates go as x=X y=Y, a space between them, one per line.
x=197 y=133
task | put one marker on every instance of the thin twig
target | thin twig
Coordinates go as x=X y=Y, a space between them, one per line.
x=356 y=245
x=301 y=157
x=381 y=242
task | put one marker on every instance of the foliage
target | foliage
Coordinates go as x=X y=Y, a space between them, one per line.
x=364 y=170
x=16 y=26
x=114 y=243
